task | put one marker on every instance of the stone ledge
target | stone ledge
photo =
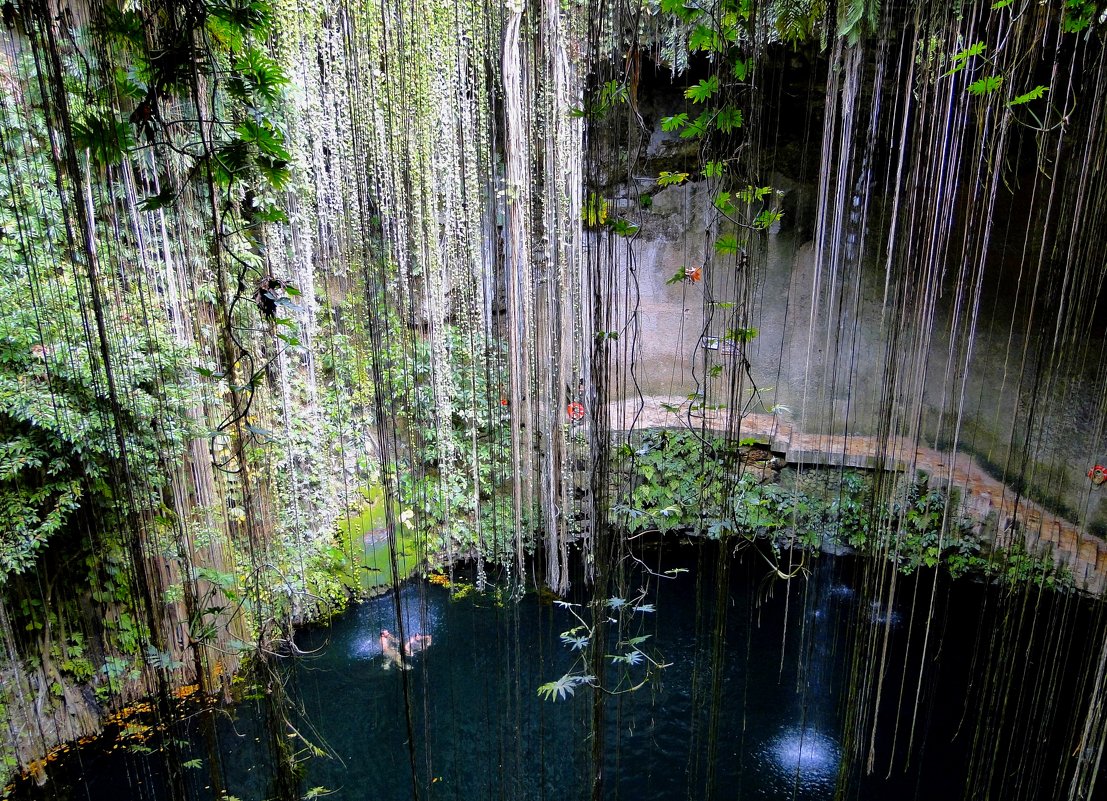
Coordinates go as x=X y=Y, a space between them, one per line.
x=983 y=497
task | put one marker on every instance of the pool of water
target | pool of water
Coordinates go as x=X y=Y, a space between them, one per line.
x=752 y=703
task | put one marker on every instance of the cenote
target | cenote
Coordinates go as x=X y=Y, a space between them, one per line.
x=752 y=701
x=568 y=400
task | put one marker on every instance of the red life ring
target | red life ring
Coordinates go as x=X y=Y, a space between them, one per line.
x=575 y=411
x=1098 y=474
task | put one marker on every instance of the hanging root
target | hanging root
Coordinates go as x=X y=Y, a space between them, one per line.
x=777 y=572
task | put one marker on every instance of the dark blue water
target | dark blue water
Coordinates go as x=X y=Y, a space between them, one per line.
x=751 y=705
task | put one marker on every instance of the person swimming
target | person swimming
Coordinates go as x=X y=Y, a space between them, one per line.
x=391 y=651
x=417 y=643
x=395 y=655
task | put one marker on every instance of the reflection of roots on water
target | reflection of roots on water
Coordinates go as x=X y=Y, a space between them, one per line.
x=805 y=753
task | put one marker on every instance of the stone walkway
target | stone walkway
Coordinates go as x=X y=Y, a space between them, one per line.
x=1083 y=554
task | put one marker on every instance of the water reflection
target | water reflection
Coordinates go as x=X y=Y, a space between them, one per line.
x=748 y=709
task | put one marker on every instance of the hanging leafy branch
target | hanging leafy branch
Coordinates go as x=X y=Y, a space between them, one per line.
x=631 y=662
x=857 y=18
x=58 y=437
x=721 y=36
x=992 y=69
x=230 y=145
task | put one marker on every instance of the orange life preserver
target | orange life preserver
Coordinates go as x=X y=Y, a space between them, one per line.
x=575 y=411
x=1098 y=474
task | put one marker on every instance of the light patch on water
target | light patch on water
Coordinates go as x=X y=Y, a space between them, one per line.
x=805 y=756
x=884 y=618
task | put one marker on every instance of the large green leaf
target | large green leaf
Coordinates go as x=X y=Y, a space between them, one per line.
x=257 y=77
x=703 y=90
x=1034 y=94
x=268 y=139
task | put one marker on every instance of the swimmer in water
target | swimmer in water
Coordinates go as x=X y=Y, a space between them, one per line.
x=391 y=651
x=417 y=643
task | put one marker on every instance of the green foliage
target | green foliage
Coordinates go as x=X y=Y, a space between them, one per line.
x=595 y=210
x=985 y=85
x=247 y=153
x=798 y=21
x=450 y=492
x=709 y=39
x=609 y=95
x=606 y=625
x=72 y=659
x=921 y=519
x=682 y=10
x=713 y=169
x=754 y=194
x=105 y=138
x=856 y=18
x=256 y=78
x=765 y=219
x=161 y=660
x=63 y=435
x=728 y=119
x=753 y=208
x=674 y=123
x=961 y=58
x=676 y=483
x=564 y=687
x=727 y=245
x=679 y=481
x=740 y=336
x=1078 y=15
x=622 y=227
x=1034 y=94
x=698 y=127
x=31 y=511
x=704 y=90
x=684 y=275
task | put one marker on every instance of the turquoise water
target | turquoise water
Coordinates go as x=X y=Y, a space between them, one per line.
x=757 y=714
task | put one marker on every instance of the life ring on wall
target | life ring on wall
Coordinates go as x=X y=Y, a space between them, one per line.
x=575 y=411
x=1098 y=474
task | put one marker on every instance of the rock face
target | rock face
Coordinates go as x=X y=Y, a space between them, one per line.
x=824 y=354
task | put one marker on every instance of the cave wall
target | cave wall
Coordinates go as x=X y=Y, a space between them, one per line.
x=828 y=349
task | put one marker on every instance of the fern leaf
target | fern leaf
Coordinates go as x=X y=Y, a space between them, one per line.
x=850 y=15
x=986 y=85
x=1033 y=94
